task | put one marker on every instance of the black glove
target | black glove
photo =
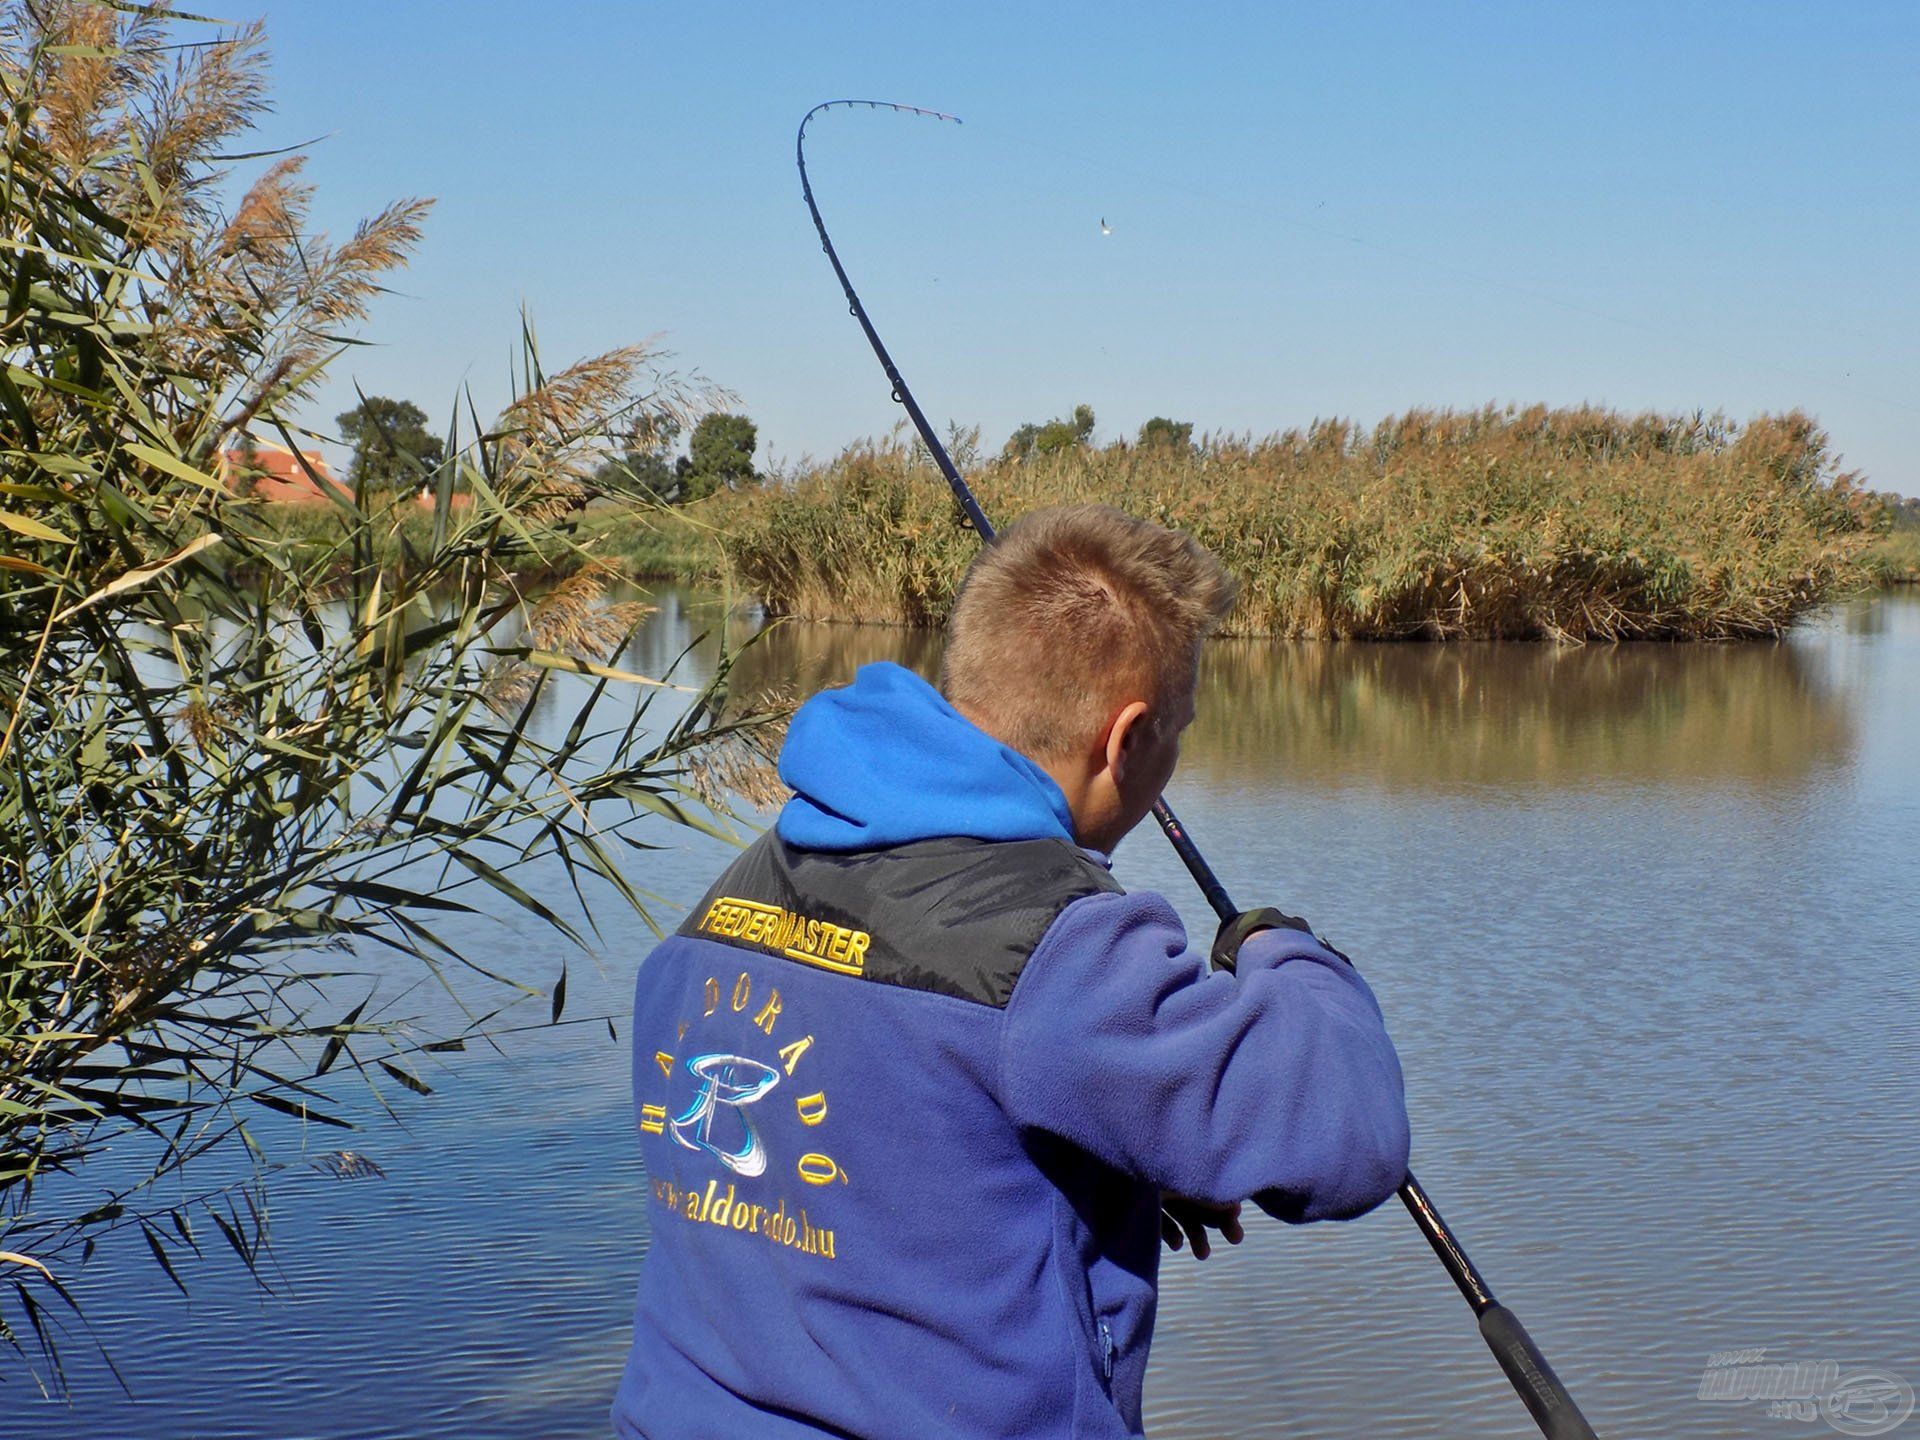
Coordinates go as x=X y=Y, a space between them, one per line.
x=1226 y=945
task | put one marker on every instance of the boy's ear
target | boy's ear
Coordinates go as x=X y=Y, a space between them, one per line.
x=1123 y=734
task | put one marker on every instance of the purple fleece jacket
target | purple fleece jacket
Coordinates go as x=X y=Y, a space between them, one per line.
x=879 y=1211
x=1276 y=1083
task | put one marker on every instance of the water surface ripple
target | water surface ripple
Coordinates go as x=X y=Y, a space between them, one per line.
x=1643 y=920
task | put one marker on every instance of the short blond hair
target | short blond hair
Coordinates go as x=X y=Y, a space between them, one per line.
x=1072 y=612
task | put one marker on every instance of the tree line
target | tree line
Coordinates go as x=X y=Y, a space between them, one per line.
x=1075 y=432
x=393 y=450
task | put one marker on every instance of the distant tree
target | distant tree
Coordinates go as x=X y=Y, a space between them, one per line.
x=653 y=471
x=1053 y=437
x=1160 y=431
x=1019 y=445
x=392 y=447
x=720 y=453
x=645 y=464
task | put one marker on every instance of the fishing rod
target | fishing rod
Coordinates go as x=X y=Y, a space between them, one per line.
x=1552 y=1407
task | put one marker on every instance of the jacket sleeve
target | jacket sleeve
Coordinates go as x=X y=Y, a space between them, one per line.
x=1277 y=1083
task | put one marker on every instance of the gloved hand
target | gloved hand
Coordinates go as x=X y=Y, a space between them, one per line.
x=1233 y=933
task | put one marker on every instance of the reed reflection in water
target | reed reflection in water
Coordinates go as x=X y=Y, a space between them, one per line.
x=1435 y=717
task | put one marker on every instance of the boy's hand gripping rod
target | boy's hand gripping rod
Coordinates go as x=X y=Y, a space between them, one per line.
x=1553 y=1408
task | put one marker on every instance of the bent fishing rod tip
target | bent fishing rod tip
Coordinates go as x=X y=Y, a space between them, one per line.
x=901 y=106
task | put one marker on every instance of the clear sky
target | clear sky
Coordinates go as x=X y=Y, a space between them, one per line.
x=1316 y=209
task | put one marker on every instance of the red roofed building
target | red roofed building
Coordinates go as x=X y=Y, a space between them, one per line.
x=273 y=473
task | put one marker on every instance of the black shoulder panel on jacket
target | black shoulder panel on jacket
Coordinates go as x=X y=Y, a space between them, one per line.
x=956 y=917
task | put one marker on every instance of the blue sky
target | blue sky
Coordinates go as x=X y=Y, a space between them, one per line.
x=1316 y=209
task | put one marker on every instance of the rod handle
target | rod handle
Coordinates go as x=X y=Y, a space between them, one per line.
x=1552 y=1407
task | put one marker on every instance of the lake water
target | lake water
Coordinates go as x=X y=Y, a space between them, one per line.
x=1644 y=924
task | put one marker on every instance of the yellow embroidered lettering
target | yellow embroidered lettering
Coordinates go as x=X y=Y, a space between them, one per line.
x=818 y=1169
x=742 y=990
x=772 y=927
x=665 y=1062
x=768 y=1013
x=653 y=1119
x=812 y=1108
x=713 y=995
x=792 y=1053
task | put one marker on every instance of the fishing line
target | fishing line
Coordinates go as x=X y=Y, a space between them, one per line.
x=1551 y=1406
x=1271 y=214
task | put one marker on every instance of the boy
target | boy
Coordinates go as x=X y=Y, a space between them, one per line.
x=914 y=1076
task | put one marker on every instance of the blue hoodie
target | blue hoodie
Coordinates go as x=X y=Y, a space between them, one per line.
x=896 y=1192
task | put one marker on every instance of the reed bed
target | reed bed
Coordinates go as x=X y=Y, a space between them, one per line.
x=246 y=747
x=1894 y=559
x=1508 y=523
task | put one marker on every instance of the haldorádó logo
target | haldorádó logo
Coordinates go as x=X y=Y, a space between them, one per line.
x=1858 y=1402
x=735 y=1082
x=1868 y=1402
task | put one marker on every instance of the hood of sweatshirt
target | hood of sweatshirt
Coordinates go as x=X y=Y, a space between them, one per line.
x=887 y=761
